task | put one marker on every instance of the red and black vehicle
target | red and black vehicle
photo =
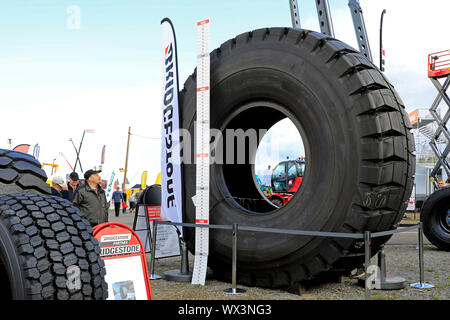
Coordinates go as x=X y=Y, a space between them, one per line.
x=286 y=179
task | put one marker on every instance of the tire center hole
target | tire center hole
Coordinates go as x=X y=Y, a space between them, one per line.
x=264 y=157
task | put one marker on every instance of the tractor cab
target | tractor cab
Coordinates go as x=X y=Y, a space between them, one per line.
x=287 y=176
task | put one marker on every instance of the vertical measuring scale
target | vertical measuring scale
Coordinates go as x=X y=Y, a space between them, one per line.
x=202 y=155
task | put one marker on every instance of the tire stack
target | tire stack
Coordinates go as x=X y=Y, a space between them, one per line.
x=47 y=250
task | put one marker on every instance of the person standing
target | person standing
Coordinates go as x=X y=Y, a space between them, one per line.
x=132 y=201
x=72 y=186
x=57 y=186
x=117 y=197
x=90 y=198
x=124 y=203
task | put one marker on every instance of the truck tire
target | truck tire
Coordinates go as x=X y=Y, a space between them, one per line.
x=21 y=172
x=359 y=168
x=47 y=250
x=435 y=217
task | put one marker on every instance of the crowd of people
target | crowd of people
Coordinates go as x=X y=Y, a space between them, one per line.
x=90 y=197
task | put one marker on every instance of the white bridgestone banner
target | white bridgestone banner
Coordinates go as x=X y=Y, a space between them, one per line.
x=171 y=192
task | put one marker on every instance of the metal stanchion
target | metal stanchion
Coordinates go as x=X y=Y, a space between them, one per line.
x=233 y=289
x=367 y=240
x=421 y=284
x=182 y=275
x=152 y=274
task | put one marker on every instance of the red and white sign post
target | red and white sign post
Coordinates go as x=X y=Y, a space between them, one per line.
x=126 y=266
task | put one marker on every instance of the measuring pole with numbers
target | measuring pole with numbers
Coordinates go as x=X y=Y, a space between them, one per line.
x=202 y=154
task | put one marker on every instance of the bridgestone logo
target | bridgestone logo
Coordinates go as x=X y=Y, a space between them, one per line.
x=120 y=250
x=115 y=240
x=167 y=121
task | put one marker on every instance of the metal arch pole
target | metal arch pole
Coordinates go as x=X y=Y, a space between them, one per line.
x=324 y=15
x=295 y=15
x=360 y=28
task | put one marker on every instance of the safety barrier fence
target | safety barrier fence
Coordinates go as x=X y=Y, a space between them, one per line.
x=367 y=237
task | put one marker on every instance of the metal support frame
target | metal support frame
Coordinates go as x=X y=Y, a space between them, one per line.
x=324 y=14
x=360 y=28
x=326 y=24
x=295 y=14
x=442 y=127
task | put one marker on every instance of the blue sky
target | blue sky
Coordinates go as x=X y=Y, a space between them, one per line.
x=106 y=74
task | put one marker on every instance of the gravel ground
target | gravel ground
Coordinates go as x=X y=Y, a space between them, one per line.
x=401 y=260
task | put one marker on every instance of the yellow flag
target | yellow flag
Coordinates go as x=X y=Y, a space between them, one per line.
x=158 y=179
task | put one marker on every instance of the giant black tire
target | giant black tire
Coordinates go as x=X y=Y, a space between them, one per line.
x=21 y=172
x=435 y=217
x=47 y=250
x=359 y=169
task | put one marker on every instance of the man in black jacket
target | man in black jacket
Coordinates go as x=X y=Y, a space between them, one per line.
x=72 y=186
x=91 y=200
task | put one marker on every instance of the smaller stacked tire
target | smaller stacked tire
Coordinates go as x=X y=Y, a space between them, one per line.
x=47 y=250
x=435 y=217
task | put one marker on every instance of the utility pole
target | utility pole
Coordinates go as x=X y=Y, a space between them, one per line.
x=381 y=41
x=126 y=161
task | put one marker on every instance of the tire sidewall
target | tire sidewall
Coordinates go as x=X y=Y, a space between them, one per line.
x=430 y=215
x=12 y=263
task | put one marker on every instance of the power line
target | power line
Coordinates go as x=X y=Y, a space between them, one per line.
x=145 y=137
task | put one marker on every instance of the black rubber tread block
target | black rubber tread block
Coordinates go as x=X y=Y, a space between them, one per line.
x=21 y=172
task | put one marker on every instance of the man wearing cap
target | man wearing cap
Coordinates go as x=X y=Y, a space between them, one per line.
x=57 y=186
x=72 y=186
x=91 y=200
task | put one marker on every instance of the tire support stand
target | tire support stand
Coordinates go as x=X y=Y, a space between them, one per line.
x=182 y=275
x=382 y=280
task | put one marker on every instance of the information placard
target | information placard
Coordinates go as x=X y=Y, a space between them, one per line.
x=167 y=244
x=125 y=262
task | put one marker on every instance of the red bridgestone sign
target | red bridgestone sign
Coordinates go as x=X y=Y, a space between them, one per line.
x=125 y=262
